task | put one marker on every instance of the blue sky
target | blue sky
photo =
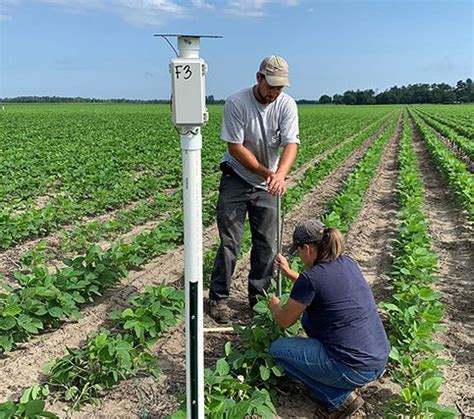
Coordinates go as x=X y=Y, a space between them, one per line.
x=106 y=48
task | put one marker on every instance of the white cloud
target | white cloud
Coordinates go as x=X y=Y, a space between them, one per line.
x=137 y=12
x=247 y=8
x=7 y=8
x=257 y=8
x=149 y=12
x=202 y=4
x=157 y=12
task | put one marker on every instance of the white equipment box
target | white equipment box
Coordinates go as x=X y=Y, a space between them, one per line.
x=188 y=85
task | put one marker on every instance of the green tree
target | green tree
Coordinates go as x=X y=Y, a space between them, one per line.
x=337 y=99
x=349 y=98
x=324 y=99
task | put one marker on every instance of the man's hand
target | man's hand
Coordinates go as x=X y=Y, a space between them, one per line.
x=276 y=184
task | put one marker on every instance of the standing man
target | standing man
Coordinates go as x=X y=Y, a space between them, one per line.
x=257 y=122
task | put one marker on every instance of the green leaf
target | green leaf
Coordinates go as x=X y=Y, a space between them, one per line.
x=222 y=367
x=278 y=371
x=56 y=312
x=264 y=372
x=227 y=348
x=7 y=323
x=427 y=294
x=11 y=310
x=406 y=395
x=6 y=343
x=34 y=407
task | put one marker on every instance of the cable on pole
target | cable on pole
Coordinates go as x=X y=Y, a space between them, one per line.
x=169 y=43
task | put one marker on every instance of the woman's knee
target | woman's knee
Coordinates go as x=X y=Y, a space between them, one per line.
x=278 y=347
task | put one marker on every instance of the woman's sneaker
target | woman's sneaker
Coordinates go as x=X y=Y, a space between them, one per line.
x=219 y=311
x=353 y=403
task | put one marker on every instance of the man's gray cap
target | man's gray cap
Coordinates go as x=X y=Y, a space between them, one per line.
x=310 y=231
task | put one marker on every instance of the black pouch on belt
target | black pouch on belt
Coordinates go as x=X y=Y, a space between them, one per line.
x=226 y=168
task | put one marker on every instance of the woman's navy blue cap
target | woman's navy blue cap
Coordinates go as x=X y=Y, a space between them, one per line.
x=310 y=231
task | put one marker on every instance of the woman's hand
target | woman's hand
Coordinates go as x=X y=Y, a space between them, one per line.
x=288 y=314
x=281 y=263
x=274 y=303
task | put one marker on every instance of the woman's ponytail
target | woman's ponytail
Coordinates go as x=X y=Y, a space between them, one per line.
x=331 y=246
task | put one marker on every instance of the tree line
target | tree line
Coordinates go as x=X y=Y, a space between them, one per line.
x=78 y=99
x=463 y=92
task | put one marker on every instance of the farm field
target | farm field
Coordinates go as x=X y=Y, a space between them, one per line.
x=90 y=217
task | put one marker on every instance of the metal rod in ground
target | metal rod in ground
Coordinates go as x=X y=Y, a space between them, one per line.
x=279 y=234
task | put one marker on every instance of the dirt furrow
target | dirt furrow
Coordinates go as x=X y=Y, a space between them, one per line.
x=298 y=173
x=453 y=243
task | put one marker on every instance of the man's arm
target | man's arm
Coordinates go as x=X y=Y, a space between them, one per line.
x=247 y=159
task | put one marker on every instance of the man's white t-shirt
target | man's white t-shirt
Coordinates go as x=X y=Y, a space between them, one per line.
x=262 y=129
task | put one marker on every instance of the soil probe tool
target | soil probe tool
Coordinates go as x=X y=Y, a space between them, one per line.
x=279 y=240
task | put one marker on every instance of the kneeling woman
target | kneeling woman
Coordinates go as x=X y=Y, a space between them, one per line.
x=347 y=346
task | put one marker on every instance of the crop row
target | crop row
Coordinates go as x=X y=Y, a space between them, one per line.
x=414 y=311
x=345 y=208
x=460 y=181
x=77 y=151
x=456 y=122
x=82 y=150
x=44 y=299
x=16 y=226
x=107 y=357
x=463 y=144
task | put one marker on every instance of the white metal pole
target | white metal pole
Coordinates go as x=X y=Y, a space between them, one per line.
x=191 y=145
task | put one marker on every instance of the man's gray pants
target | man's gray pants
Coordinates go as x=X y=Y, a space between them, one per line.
x=236 y=199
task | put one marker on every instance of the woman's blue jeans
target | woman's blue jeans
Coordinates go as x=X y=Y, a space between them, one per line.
x=330 y=381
